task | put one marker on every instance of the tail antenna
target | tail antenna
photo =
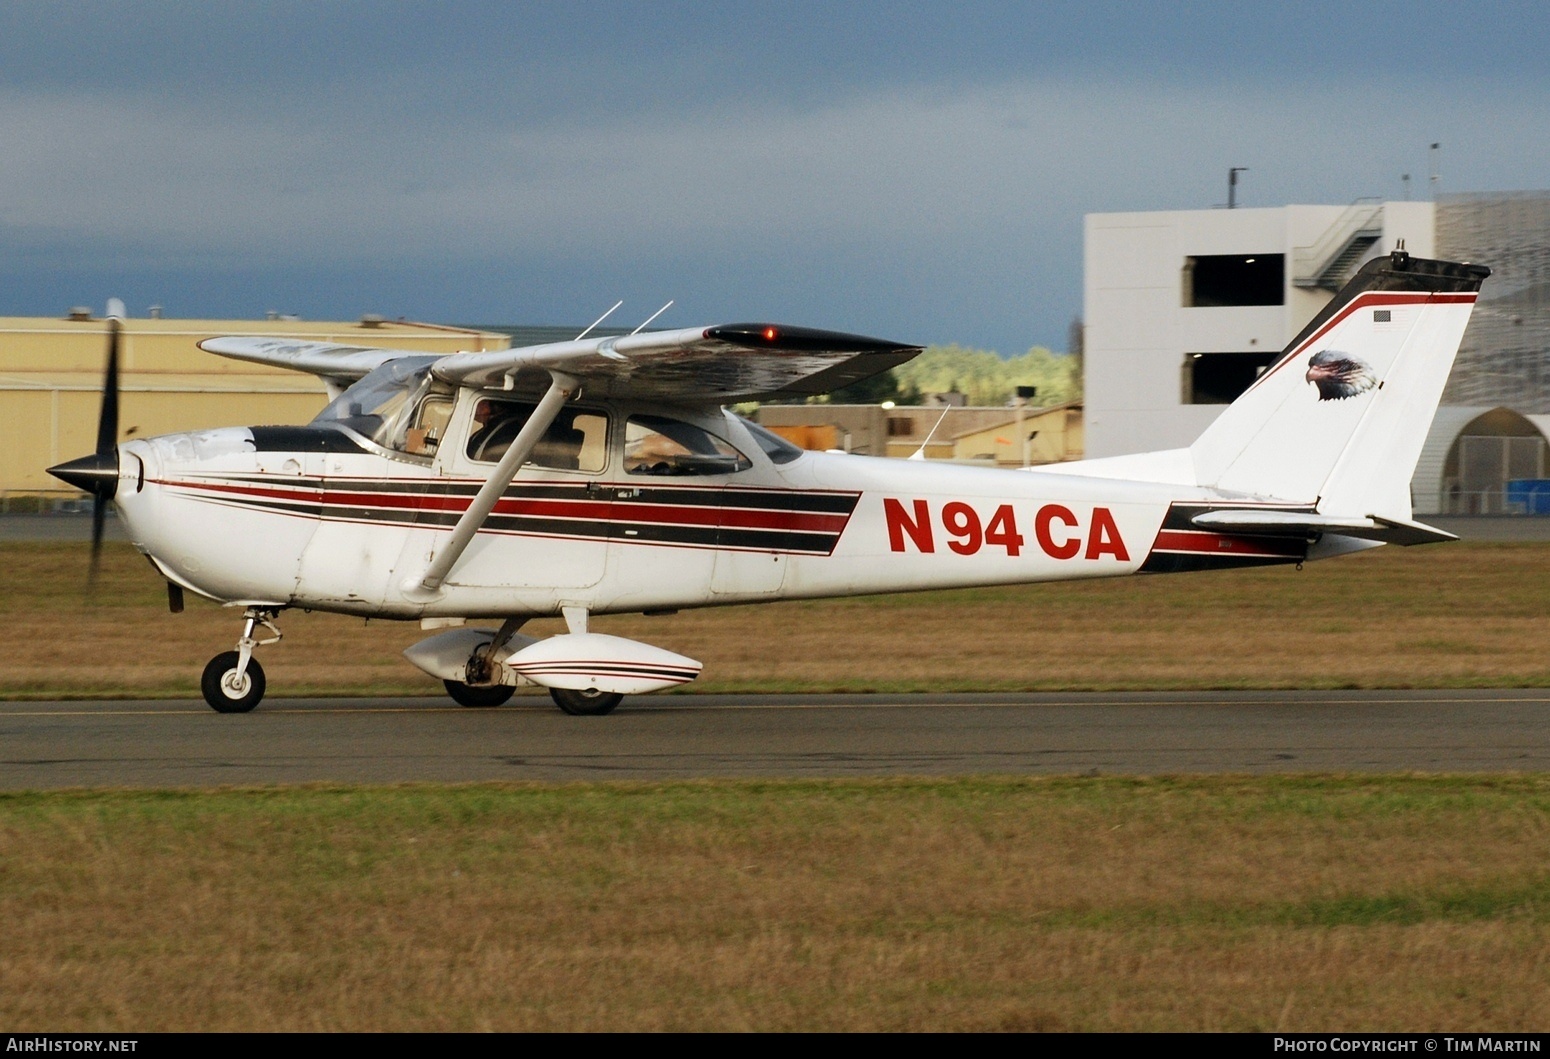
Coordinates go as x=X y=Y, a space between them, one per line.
x=653 y=316
x=599 y=320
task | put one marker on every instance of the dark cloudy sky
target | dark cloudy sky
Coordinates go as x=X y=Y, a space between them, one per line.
x=913 y=170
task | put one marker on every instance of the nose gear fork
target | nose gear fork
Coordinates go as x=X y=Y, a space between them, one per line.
x=233 y=682
x=254 y=617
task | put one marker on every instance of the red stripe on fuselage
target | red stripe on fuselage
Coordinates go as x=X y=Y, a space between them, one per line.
x=311 y=495
x=605 y=511
x=578 y=510
x=1202 y=542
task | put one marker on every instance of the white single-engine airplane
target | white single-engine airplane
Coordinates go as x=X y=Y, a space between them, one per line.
x=603 y=476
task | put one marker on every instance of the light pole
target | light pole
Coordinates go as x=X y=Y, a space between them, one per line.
x=1024 y=395
x=1232 y=185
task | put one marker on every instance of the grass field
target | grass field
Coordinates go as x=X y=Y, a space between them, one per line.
x=1298 y=903
x=1082 y=904
x=1455 y=615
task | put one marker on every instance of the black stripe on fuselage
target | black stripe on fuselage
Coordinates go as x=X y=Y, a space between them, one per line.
x=616 y=492
x=620 y=526
x=1268 y=550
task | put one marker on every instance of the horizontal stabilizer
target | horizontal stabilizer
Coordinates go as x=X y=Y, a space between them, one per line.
x=1404 y=532
x=1258 y=523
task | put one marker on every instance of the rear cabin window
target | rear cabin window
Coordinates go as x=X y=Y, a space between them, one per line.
x=657 y=445
x=577 y=440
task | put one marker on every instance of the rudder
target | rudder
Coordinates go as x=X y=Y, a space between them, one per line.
x=1340 y=419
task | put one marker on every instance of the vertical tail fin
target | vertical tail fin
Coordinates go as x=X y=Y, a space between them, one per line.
x=1339 y=420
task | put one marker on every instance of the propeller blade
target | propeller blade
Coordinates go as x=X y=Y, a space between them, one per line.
x=107 y=419
x=99 y=511
x=107 y=443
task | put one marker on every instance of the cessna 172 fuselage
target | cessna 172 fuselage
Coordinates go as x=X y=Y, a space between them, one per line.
x=604 y=476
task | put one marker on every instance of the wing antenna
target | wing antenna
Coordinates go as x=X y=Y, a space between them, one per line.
x=653 y=316
x=920 y=453
x=599 y=320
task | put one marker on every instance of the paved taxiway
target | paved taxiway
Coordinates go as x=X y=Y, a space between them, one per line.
x=165 y=744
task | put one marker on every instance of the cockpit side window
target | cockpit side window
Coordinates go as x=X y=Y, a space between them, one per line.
x=429 y=425
x=661 y=446
x=577 y=440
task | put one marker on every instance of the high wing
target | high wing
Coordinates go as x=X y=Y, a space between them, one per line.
x=327 y=360
x=711 y=365
x=732 y=362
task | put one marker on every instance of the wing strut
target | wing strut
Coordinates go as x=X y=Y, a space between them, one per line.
x=560 y=390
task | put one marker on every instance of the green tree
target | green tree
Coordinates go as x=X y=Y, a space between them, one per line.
x=989 y=380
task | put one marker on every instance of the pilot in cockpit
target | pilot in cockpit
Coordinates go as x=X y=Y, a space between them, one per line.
x=497 y=423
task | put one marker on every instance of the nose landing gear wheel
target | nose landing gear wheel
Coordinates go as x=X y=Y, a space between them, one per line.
x=224 y=691
x=478 y=696
x=585 y=703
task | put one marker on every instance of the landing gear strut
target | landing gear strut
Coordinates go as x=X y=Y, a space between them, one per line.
x=233 y=682
x=477 y=691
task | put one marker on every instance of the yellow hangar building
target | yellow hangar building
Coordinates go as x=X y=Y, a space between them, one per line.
x=51 y=382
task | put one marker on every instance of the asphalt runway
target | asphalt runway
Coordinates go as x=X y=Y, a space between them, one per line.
x=185 y=744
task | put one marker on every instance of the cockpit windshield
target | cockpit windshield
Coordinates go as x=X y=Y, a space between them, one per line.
x=399 y=406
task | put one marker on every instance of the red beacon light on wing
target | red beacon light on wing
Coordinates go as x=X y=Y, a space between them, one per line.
x=770 y=334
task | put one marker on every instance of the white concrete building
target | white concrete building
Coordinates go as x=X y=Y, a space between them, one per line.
x=1183 y=309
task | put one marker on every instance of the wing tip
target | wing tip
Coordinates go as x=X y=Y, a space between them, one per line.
x=803 y=339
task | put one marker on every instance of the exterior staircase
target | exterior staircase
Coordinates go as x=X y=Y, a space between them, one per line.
x=1328 y=262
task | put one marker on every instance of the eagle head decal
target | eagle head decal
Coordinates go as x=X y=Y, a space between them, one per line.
x=1339 y=375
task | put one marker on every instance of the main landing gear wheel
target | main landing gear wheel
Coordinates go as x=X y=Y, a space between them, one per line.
x=225 y=691
x=478 y=696
x=585 y=703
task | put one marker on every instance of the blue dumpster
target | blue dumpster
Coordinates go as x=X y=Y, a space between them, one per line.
x=1530 y=496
